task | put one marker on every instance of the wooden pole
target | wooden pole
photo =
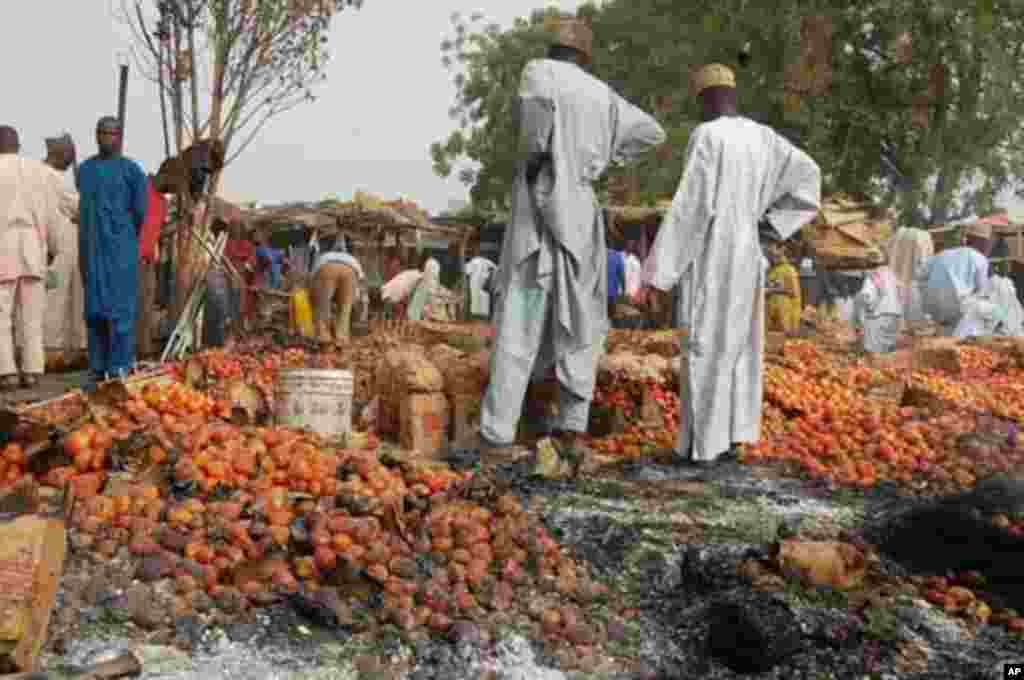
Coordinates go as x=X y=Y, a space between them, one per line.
x=122 y=98
x=379 y=312
x=193 y=14
x=462 y=276
x=179 y=115
x=182 y=261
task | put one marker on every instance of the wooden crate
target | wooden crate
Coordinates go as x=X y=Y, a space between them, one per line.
x=944 y=238
x=1014 y=236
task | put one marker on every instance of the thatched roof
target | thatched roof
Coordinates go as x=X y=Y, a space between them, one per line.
x=357 y=221
x=227 y=211
x=628 y=214
x=621 y=218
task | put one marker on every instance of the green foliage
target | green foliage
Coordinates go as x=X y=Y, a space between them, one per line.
x=969 y=149
x=487 y=63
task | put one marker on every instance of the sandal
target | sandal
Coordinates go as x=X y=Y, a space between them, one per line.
x=574 y=451
x=29 y=381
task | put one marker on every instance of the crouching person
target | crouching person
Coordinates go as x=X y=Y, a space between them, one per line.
x=336 y=277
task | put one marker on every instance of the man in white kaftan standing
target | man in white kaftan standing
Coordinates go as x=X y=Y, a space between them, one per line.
x=740 y=178
x=553 y=310
x=31 y=200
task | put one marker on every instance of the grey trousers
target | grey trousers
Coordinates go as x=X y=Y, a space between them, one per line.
x=514 y=364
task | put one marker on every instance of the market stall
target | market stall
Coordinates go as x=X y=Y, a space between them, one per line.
x=633 y=229
x=1007 y=260
x=372 y=227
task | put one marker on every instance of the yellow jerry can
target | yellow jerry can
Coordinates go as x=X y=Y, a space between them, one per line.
x=300 y=315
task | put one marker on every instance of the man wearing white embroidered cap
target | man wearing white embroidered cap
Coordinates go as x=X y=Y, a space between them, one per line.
x=553 y=311
x=741 y=182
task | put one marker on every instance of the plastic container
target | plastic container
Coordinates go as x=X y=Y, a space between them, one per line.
x=301 y=313
x=315 y=399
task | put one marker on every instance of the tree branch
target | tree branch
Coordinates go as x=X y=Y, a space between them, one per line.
x=249 y=140
x=145 y=33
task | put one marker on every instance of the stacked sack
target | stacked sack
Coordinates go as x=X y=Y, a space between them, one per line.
x=465 y=377
x=412 y=404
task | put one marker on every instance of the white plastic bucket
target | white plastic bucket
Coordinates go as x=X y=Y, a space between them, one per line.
x=317 y=399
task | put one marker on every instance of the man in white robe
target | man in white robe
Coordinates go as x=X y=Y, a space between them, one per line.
x=553 y=308
x=478 y=272
x=740 y=179
x=64 y=324
x=31 y=200
x=1003 y=293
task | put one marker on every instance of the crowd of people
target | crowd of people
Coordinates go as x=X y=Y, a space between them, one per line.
x=36 y=215
x=956 y=288
x=724 y=259
x=77 y=266
x=724 y=252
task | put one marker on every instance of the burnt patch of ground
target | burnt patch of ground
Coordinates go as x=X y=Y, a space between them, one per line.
x=599 y=540
x=912 y=641
x=671 y=581
x=953 y=535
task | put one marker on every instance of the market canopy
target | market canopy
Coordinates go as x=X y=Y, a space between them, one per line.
x=227 y=212
x=998 y=219
x=622 y=219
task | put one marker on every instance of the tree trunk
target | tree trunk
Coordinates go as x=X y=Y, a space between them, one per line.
x=192 y=12
x=182 y=263
x=219 y=68
x=217 y=95
x=945 y=185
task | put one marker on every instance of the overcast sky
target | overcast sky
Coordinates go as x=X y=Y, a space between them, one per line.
x=386 y=99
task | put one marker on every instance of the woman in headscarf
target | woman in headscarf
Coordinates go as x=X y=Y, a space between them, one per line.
x=396 y=291
x=427 y=287
x=784 y=302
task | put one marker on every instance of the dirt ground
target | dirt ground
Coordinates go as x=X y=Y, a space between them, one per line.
x=51 y=385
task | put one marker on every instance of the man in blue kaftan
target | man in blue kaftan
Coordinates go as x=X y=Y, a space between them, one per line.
x=113 y=195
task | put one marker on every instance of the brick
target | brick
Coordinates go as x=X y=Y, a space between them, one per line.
x=938 y=353
x=424 y=422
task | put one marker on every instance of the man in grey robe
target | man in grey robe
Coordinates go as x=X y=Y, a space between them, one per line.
x=553 y=310
x=741 y=180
